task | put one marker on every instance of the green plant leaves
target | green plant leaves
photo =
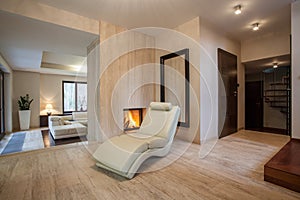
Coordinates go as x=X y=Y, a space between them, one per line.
x=24 y=102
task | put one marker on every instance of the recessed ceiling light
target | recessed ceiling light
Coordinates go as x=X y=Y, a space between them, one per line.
x=255 y=26
x=238 y=9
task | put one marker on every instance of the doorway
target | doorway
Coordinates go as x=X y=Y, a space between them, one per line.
x=254 y=107
x=227 y=66
x=268 y=95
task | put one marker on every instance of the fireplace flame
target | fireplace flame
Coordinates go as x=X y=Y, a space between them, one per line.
x=132 y=119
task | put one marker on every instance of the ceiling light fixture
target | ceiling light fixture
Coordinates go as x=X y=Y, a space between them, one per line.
x=238 y=9
x=255 y=26
x=275 y=65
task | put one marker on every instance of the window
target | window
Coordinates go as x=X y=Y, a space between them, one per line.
x=74 y=96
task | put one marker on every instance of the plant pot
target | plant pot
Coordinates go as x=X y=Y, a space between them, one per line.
x=24 y=119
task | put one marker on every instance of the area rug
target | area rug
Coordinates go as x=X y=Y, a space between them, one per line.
x=21 y=141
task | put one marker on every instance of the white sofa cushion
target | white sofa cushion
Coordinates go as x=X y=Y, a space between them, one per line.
x=55 y=121
x=79 y=115
x=68 y=129
x=65 y=119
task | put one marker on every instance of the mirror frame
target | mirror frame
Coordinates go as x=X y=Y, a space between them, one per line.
x=184 y=52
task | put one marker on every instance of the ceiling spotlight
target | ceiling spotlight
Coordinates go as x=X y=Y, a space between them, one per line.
x=275 y=65
x=255 y=26
x=238 y=9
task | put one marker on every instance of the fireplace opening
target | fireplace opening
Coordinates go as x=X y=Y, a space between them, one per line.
x=133 y=118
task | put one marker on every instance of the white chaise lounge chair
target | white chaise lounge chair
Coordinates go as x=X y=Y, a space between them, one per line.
x=125 y=153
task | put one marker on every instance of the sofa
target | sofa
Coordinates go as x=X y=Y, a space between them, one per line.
x=68 y=126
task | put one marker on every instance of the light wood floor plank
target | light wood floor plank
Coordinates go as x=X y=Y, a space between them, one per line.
x=232 y=170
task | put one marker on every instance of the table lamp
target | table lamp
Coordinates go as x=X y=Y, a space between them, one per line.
x=49 y=107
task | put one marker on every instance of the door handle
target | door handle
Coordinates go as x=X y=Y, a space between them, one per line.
x=235 y=93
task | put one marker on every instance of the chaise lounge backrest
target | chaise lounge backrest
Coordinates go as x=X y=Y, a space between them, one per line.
x=161 y=120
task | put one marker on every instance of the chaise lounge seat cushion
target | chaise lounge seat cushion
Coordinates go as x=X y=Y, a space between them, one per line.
x=121 y=151
x=152 y=141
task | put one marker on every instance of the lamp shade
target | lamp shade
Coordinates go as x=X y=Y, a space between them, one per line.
x=49 y=106
x=255 y=26
x=238 y=9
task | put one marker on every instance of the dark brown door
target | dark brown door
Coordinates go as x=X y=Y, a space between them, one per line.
x=227 y=65
x=253 y=105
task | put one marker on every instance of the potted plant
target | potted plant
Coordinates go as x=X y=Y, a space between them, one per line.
x=24 y=111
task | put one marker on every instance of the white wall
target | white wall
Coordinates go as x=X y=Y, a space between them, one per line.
x=93 y=80
x=295 y=70
x=265 y=46
x=210 y=40
x=46 y=13
x=51 y=91
x=184 y=36
x=117 y=67
x=26 y=83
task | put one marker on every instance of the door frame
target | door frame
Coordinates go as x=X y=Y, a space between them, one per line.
x=220 y=129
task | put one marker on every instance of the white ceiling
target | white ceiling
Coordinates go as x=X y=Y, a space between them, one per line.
x=23 y=41
x=258 y=66
x=274 y=15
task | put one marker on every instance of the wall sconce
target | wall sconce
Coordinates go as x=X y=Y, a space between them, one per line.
x=255 y=26
x=49 y=108
x=238 y=9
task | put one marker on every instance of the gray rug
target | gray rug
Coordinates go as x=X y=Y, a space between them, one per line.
x=15 y=144
x=21 y=141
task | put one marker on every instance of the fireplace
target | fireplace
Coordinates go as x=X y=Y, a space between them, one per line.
x=133 y=118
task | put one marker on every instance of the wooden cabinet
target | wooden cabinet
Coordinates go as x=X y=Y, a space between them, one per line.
x=43 y=120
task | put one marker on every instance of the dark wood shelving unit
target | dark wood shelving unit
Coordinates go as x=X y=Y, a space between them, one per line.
x=278 y=96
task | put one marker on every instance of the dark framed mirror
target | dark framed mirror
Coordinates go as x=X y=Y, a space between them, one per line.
x=175 y=81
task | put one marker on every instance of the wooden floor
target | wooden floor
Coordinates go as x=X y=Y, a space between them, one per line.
x=232 y=170
x=284 y=168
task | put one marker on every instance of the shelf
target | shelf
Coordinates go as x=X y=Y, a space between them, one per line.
x=276 y=101
x=278 y=83
x=284 y=95
x=277 y=90
x=278 y=106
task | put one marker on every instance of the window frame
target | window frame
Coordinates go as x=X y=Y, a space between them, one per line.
x=63 y=96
